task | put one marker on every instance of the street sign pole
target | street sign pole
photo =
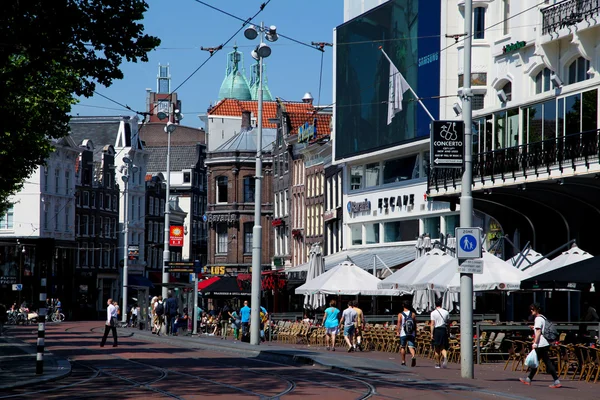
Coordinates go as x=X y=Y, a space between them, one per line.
x=466 y=206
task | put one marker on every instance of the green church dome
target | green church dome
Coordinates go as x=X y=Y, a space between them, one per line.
x=255 y=80
x=235 y=85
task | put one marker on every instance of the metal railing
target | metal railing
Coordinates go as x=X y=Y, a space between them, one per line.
x=567 y=13
x=521 y=161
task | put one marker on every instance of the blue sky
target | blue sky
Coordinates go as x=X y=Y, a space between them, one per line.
x=186 y=25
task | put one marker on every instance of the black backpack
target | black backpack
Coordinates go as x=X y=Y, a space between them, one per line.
x=160 y=309
x=549 y=332
x=408 y=324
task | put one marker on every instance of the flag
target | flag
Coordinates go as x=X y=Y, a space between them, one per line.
x=398 y=86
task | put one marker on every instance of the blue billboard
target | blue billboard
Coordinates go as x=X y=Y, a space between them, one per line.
x=409 y=32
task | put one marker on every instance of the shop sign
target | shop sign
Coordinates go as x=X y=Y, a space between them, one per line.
x=509 y=48
x=355 y=207
x=396 y=201
x=277 y=222
x=218 y=270
x=176 y=236
x=215 y=218
x=133 y=252
x=329 y=215
x=8 y=280
x=307 y=132
x=447 y=145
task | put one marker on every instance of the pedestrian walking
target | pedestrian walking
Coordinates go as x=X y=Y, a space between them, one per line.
x=111 y=323
x=159 y=313
x=245 y=318
x=224 y=317
x=171 y=309
x=406 y=330
x=264 y=322
x=331 y=322
x=349 y=322
x=541 y=346
x=237 y=324
x=360 y=326
x=440 y=323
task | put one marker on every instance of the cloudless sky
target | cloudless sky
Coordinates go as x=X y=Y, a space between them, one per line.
x=186 y=25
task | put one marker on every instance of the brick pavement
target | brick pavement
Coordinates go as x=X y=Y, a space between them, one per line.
x=381 y=368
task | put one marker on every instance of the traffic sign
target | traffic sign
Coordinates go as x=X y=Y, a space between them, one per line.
x=468 y=243
x=471 y=266
x=447 y=144
x=17 y=287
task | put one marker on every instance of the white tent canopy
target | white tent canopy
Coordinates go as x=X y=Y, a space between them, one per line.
x=571 y=256
x=497 y=275
x=344 y=279
x=529 y=257
x=402 y=279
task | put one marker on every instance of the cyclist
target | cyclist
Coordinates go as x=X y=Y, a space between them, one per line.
x=58 y=308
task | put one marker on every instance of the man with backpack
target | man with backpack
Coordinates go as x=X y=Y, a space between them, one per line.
x=171 y=311
x=407 y=329
x=544 y=334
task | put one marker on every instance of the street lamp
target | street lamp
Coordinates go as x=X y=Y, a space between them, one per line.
x=126 y=169
x=261 y=51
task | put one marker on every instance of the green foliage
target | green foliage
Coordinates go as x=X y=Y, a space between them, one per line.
x=50 y=52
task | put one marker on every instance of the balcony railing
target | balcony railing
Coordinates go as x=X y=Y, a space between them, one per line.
x=530 y=159
x=567 y=13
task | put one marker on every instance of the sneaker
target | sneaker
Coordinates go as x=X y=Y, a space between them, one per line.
x=445 y=362
x=413 y=362
x=525 y=381
x=403 y=364
x=333 y=349
x=350 y=349
x=556 y=385
x=327 y=348
x=437 y=366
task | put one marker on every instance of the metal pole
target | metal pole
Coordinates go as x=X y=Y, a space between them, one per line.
x=39 y=362
x=20 y=254
x=257 y=230
x=195 y=318
x=125 y=246
x=166 y=252
x=466 y=207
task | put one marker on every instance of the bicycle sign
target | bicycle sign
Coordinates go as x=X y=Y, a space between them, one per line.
x=447 y=144
x=468 y=243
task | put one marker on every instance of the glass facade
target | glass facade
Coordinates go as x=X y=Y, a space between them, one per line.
x=362 y=75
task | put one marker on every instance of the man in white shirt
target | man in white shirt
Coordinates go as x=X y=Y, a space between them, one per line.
x=541 y=347
x=440 y=320
x=349 y=321
x=111 y=323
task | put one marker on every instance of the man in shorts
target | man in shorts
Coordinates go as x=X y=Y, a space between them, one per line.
x=440 y=320
x=406 y=329
x=349 y=321
x=360 y=326
x=331 y=323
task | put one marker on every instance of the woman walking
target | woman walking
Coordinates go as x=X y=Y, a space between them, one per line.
x=111 y=323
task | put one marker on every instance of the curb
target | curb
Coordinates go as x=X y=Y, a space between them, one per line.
x=54 y=369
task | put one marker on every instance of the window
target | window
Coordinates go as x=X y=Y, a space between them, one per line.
x=507 y=89
x=275 y=166
x=106 y=227
x=67 y=181
x=356 y=177
x=372 y=174
x=162 y=207
x=249 y=185
x=285 y=202
x=432 y=227
x=372 y=233
x=45 y=178
x=505 y=16
x=85 y=225
x=67 y=225
x=479 y=18
x=56 y=180
x=77 y=223
x=356 y=234
x=477 y=102
x=222 y=238
x=578 y=70
x=221 y=185
x=187 y=177
x=452 y=222
x=6 y=220
x=56 y=215
x=542 y=81
x=86 y=199
x=100 y=201
x=248 y=237
x=399 y=169
x=83 y=255
x=399 y=231
x=285 y=162
x=93 y=200
x=113 y=227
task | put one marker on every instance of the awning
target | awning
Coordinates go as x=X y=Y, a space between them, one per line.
x=226 y=286
x=390 y=256
x=207 y=282
x=139 y=281
x=579 y=276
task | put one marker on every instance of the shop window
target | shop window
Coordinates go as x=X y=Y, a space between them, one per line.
x=356 y=234
x=399 y=169
x=222 y=238
x=221 y=184
x=578 y=70
x=479 y=25
x=372 y=172
x=372 y=233
x=248 y=237
x=249 y=186
x=580 y=112
x=399 y=231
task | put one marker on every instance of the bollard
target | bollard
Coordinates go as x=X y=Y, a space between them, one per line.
x=39 y=363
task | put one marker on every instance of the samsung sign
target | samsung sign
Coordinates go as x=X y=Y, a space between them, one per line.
x=355 y=207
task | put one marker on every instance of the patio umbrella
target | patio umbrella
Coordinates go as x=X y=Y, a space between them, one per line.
x=419 y=246
x=524 y=260
x=344 y=279
x=573 y=255
x=316 y=267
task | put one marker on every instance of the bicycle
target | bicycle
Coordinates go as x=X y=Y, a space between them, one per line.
x=57 y=317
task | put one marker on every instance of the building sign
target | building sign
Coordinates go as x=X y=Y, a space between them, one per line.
x=215 y=218
x=176 y=236
x=395 y=201
x=509 y=48
x=429 y=58
x=355 y=207
x=329 y=215
x=447 y=144
x=219 y=270
x=277 y=222
x=133 y=252
x=8 y=280
x=307 y=132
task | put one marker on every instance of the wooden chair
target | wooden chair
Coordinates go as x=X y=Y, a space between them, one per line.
x=596 y=357
x=588 y=362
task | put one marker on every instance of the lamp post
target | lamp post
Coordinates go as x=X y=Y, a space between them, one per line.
x=126 y=169
x=261 y=51
x=169 y=128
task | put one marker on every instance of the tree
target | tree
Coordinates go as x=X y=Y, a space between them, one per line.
x=51 y=52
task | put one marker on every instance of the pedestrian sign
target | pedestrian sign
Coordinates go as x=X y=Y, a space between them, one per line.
x=468 y=243
x=17 y=287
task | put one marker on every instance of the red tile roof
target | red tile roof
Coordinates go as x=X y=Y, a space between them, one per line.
x=298 y=113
